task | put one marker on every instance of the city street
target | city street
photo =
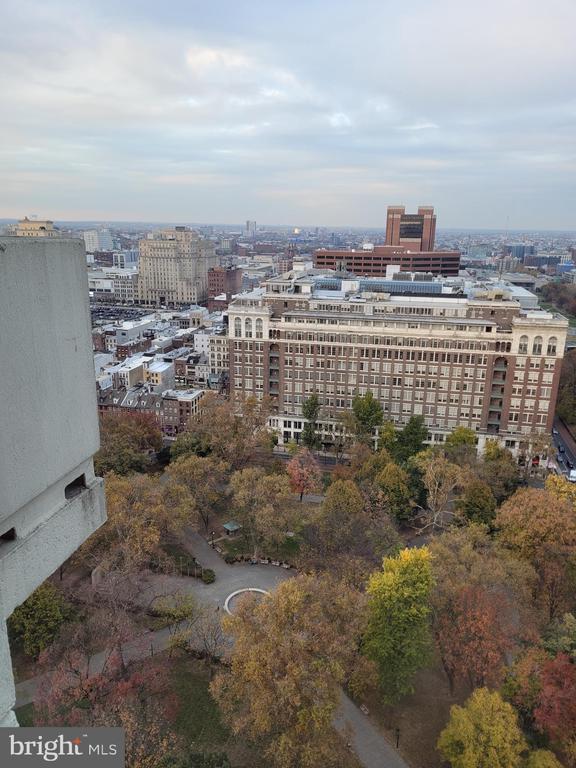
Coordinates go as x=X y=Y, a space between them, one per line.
x=564 y=440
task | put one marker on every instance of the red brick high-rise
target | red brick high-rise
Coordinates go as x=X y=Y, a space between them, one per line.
x=415 y=231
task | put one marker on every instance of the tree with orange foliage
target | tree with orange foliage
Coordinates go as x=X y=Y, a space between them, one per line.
x=540 y=527
x=476 y=636
x=126 y=440
x=304 y=473
x=555 y=712
x=468 y=558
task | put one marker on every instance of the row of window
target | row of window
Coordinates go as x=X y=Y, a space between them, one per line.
x=537 y=345
x=248 y=325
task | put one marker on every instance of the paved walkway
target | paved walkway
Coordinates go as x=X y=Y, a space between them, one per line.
x=371 y=747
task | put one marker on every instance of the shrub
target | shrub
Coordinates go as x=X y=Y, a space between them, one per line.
x=38 y=620
x=208 y=576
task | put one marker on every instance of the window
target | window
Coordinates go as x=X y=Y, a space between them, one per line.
x=237 y=327
x=248 y=328
x=537 y=345
x=523 y=345
x=552 y=342
x=259 y=328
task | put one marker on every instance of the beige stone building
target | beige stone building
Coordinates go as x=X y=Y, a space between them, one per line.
x=34 y=228
x=173 y=267
x=456 y=353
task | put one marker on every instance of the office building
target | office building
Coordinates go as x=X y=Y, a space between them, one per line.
x=416 y=231
x=173 y=267
x=50 y=499
x=372 y=261
x=97 y=240
x=456 y=353
x=125 y=259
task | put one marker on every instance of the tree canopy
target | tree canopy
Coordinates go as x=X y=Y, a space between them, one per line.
x=38 y=620
x=292 y=651
x=484 y=733
x=397 y=637
x=367 y=414
x=125 y=442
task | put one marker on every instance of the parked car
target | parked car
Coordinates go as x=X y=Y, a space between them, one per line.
x=572 y=476
x=569 y=464
x=561 y=448
x=554 y=431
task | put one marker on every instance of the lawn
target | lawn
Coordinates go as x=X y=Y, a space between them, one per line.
x=240 y=546
x=198 y=721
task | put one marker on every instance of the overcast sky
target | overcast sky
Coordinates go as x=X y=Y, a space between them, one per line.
x=289 y=111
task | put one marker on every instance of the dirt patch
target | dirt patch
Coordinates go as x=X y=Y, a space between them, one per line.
x=419 y=717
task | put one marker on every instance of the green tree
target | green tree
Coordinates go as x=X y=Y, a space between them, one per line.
x=397 y=638
x=484 y=733
x=477 y=502
x=499 y=469
x=190 y=444
x=311 y=412
x=411 y=439
x=388 y=438
x=461 y=436
x=38 y=620
x=561 y=636
x=367 y=414
x=394 y=483
x=460 y=445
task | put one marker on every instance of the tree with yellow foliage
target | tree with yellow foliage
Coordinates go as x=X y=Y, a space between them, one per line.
x=292 y=651
x=484 y=733
x=397 y=637
x=141 y=512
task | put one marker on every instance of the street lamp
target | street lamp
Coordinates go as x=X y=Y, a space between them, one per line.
x=213 y=532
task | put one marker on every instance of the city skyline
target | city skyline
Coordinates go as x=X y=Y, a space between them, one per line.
x=307 y=113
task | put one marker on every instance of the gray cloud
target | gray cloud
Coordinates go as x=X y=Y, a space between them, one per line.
x=302 y=112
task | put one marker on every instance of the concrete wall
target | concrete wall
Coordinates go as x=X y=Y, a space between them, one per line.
x=48 y=421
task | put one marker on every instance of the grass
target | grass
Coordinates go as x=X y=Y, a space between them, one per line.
x=198 y=721
x=181 y=558
x=240 y=546
x=25 y=715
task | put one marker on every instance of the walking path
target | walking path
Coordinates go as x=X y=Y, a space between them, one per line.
x=371 y=747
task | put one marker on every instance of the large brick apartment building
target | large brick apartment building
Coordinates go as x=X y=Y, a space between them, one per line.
x=453 y=352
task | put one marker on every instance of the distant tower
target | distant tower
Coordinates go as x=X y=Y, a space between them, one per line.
x=250 y=228
x=415 y=231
